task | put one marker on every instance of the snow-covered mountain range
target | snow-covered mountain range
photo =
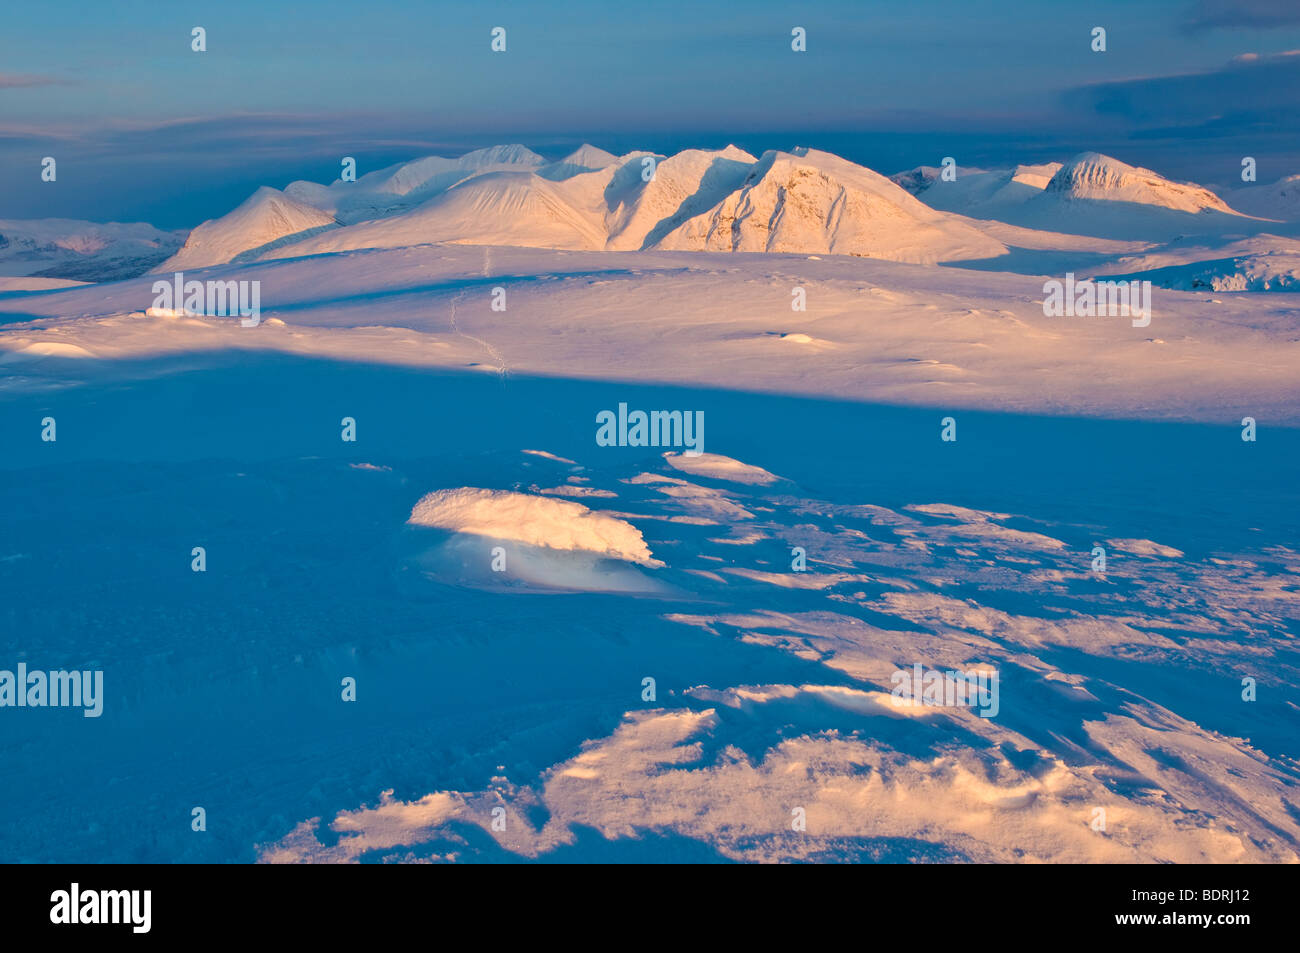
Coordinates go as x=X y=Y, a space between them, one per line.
x=82 y=251
x=1091 y=195
x=697 y=200
x=1092 y=212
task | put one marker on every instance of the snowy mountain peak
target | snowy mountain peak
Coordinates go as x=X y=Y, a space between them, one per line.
x=816 y=202
x=424 y=173
x=589 y=157
x=586 y=158
x=268 y=201
x=513 y=154
x=1097 y=177
x=264 y=218
x=683 y=186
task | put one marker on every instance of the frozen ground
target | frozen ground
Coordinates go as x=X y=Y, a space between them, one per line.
x=523 y=689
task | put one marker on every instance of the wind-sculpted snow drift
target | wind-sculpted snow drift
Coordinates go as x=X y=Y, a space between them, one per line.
x=534 y=520
x=520 y=541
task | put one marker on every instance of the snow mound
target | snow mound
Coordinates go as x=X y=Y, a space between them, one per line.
x=1144 y=547
x=36 y=284
x=533 y=520
x=53 y=349
x=716 y=466
x=547 y=455
x=798 y=337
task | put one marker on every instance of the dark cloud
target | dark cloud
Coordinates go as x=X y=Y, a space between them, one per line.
x=1258 y=14
x=1257 y=93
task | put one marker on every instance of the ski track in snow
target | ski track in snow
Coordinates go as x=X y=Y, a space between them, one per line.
x=502 y=368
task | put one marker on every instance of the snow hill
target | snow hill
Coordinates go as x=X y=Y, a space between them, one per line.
x=1092 y=194
x=266 y=217
x=1281 y=200
x=82 y=251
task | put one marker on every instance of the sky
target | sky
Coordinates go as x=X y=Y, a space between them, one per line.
x=144 y=128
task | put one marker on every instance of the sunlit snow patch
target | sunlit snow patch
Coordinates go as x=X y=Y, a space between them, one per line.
x=718 y=467
x=503 y=538
x=550 y=456
x=51 y=349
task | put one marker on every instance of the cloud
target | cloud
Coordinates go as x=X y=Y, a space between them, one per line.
x=1252 y=91
x=26 y=80
x=1226 y=14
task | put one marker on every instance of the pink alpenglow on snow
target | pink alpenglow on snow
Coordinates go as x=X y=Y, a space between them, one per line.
x=533 y=520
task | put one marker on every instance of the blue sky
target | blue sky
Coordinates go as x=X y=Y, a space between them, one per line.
x=144 y=128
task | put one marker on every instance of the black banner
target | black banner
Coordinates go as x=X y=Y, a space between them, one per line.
x=334 y=902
